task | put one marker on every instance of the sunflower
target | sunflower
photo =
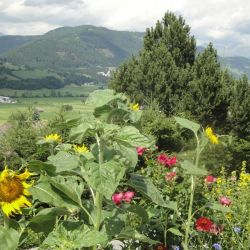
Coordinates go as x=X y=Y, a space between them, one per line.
x=211 y=136
x=53 y=138
x=13 y=191
x=134 y=106
x=80 y=149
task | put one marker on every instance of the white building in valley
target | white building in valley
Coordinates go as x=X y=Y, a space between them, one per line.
x=6 y=99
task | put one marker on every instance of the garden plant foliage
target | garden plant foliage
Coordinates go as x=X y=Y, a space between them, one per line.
x=105 y=180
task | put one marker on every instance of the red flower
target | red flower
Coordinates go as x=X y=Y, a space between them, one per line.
x=167 y=161
x=210 y=179
x=171 y=161
x=170 y=176
x=162 y=158
x=128 y=196
x=224 y=201
x=203 y=224
x=160 y=247
x=117 y=198
x=140 y=150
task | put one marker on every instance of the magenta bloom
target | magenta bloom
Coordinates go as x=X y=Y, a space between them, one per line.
x=117 y=198
x=140 y=150
x=170 y=176
x=167 y=161
x=171 y=161
x=224 y=201
x=162 y=158
x=210 y=179
x=128 y=196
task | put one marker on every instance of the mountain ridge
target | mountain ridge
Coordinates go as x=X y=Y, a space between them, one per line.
x=84 y=53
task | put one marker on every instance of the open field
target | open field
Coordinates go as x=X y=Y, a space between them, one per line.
x=50 y=106
x=69 y=90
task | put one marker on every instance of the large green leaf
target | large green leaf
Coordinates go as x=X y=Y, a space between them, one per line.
x=64 y=161
x=130 y=233
x=71 y=186
x=140 y=211
x=78 y=133
x=72 y=238
x=42 y=167
x=114 y=223
x=104 y=178
x=190 y=168
x=9 y=238
x=43 y=223
x=131 y=137
x=44 y=192
x=129 y=153
x=145 y=186
x=135 y=116
x=185 y=123
x=53 y=211
x=99 y=98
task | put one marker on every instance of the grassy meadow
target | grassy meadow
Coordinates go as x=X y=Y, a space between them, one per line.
x=68 y=90
x=49 y=105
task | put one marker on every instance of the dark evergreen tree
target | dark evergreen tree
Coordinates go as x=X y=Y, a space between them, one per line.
x=207 y=98
x=161 y=71
x=239 y=109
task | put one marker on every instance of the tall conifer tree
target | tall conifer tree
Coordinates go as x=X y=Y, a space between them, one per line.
x=161 y=71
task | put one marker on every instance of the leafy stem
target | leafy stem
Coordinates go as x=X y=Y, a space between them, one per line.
x=192 y=191
x=98 y=196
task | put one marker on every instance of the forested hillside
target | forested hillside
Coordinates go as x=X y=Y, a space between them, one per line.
x=77 y=55
x=82 y=46
x=11 y=42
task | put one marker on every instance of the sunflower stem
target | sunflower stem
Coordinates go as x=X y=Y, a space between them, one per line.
x=98 y=196
x=192 y=191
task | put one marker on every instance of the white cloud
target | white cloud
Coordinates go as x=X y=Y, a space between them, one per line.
x=224 y=22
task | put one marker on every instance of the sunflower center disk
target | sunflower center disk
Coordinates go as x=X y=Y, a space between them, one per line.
x=10 y=189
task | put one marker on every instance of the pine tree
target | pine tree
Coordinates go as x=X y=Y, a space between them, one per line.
x=239 y=109
x=161 y=71
x=208 y=93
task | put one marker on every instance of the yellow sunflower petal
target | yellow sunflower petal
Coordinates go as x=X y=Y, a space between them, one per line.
x=27 y=185
x=25 y=175
x=4 y=174
x=7 y=208
x=13 y=189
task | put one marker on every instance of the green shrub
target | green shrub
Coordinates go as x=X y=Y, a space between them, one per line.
x=163 y=128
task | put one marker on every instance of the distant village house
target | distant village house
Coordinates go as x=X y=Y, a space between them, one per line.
x=6 y=99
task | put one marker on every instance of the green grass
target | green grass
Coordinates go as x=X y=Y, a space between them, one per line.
x=50 y=107
x=67 y=90
x=33 y=74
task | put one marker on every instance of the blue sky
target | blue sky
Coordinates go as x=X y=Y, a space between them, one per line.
x=226 y=23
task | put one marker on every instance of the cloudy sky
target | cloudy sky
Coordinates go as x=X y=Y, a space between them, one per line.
x=224 y=22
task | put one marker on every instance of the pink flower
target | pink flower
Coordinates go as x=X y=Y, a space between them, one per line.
x=162 y=158
x=216 y=229
x=171 y=161
x=117 y=198
x=170 y=176
x=210 y=179
x=128 y=196
x=224 y=201
x=140 y=150
x=167 y=161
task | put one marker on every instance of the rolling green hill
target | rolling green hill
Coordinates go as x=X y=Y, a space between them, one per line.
x=77 y=55
x=75 y=47
x=11 y=42
x=21 y=77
